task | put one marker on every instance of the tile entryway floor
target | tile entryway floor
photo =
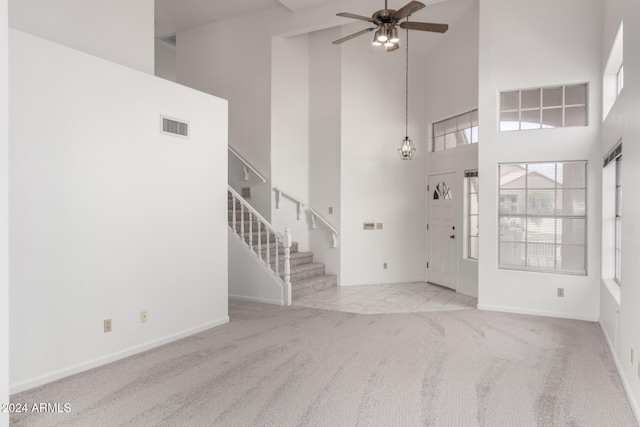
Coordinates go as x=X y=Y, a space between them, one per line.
x=390 y=298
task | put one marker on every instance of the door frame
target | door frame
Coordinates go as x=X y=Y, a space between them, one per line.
x=457 y=194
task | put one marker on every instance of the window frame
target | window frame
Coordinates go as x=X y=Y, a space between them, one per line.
x=469 y=233
x=541 y=107
x=472 y=129
x=524 y=217
x=617 y=269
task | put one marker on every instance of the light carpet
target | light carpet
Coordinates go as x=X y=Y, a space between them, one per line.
x=298 y=366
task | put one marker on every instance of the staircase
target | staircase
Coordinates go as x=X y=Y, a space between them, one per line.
x=306 y=276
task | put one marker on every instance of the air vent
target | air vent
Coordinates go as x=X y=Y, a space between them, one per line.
x=174 y=127
x=246 y=192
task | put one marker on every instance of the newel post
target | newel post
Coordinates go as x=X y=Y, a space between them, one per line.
x=287 y=264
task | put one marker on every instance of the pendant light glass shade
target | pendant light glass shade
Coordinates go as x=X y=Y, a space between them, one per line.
x=407 y=149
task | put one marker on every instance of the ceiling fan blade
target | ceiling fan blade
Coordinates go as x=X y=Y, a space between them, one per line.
x=354 y=35
x=407 y=9
x=425 y=26
x=353 y=16
x=392 y=48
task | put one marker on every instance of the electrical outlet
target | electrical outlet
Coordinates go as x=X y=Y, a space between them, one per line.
x=143 y=316
x=378 y=226
x=330 y=210
x=561 y=292
x=107 y=325
x=384 y=265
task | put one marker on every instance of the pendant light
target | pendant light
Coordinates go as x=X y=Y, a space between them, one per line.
x=407 y=149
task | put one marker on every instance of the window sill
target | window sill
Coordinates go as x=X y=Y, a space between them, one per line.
x=613 y=288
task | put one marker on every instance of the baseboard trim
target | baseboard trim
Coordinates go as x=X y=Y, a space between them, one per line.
x=256 y=299
x=516 y=310
x=625 y=383
x=81 y=367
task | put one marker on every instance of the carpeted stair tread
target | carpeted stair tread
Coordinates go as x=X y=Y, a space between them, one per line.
x=312 y=285
x=305 y=271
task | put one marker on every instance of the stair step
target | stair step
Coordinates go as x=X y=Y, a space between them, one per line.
x=272 y=245
x=305 y=271
x=313 y=285
x=296 y=258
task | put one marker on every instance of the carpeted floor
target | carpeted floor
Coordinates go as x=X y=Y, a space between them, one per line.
x=275 y=366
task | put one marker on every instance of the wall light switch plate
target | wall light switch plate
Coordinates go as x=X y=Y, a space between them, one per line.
x=143 y=316
x=384 y=265
x=632 y=355
x=369 y=226
x=561 y=292
x=107 y=325
x=330 y=210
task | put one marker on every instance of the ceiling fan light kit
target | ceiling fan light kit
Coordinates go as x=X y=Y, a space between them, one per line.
x=386 y=25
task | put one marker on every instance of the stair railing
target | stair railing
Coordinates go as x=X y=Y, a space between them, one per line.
x=247 y=166
x=245 y=233
x=314 y=214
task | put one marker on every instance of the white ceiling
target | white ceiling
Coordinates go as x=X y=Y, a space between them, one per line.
x=177 y=15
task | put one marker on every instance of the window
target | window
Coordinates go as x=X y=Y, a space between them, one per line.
x=471 y=229
x=542 y=217
x=620 y=79
x=618 y=235
x=455 y=131
x=544 y=108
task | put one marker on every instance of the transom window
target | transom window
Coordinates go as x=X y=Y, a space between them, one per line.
x=455 y=131
x=542 y=216
x=544 y=108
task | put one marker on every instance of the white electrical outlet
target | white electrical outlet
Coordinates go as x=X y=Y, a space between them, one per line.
x=143 y=316
x=384 y=265
x=378 y=226
x=107 y=325
x=561 y=292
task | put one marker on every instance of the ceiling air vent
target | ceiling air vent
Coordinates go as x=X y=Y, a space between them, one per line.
x=174 y=127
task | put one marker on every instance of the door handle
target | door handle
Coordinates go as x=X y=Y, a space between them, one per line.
x=453 y=236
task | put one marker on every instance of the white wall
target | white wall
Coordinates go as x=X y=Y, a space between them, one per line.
x=121 y=31
x=165 y=60
x=376 y=185
x=239 y=71
x=522 y=45
x=621 y=322
x=451 y=75
x=290 y=133
x=325 y=86
x=4 y=211
x=108 y=216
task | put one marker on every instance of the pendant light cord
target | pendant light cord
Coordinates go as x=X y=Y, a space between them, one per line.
x=406 y=96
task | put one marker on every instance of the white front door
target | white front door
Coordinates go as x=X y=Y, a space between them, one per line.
x=442 y=233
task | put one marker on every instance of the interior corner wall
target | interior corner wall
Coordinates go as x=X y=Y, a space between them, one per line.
x=108 y=215
x=376 y=185
x=241 y=73
x=121 y=31
x=325 y=111
x=515 y=54
x=290 y=135
x=622 y=123
x=4 y=212
x=451 y=75
x=165 y=61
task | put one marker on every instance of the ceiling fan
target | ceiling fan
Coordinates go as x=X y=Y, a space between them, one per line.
x=387 y=21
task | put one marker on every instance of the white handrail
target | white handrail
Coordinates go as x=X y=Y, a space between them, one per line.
x=254 y=212
x=247 y=166
x=288 y=195
x=315 y=215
